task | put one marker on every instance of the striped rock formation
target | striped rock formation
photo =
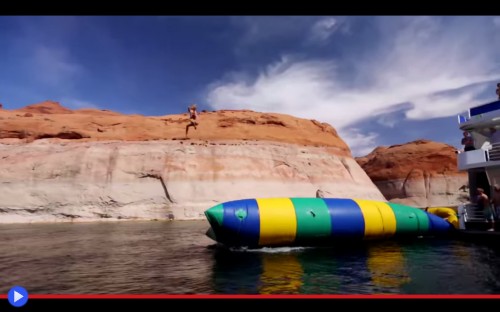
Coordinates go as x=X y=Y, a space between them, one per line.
x=59 y=164
x=421 y=173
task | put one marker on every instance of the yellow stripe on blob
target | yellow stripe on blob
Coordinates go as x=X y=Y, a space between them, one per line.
x=449 y=214
x=278 y=223
x=281 y=274
x=380 y=220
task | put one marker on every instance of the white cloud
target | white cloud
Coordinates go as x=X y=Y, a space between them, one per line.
x=43 y=45
x=323 y=29
x=303 y=29
x=443 y=105
x=53 y=65
x=311 y=89
x=360 y=143
x=436 y=65
x=388 y=120
x=78 y=104
x=258 y=29
x=282 y=86
x=496 y=21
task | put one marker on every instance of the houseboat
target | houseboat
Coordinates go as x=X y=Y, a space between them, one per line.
x=482 y=162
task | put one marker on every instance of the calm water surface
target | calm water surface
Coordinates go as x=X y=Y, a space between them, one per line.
x=177 y=257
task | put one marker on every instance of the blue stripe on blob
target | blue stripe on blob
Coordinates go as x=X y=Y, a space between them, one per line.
x=438 y=225
x=241 y=222
x=347 y=218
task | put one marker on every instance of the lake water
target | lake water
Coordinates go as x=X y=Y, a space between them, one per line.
x=176 y=257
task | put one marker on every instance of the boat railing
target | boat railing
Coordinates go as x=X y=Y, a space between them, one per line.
x=472 y=213
x=472 y=159
x=462 y=119
x=493 y=154
x=479 y=157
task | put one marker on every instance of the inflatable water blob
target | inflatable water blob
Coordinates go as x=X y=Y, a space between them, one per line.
x=273 y=222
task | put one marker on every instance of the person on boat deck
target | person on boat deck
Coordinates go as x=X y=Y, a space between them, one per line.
x=498 y=90
x=495 y=201
x=468 y=142
x=193 y=115
x=484 y=204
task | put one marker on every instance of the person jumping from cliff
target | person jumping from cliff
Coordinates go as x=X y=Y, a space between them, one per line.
x=193 y=115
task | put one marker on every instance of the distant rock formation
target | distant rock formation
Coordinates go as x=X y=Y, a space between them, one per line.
x=422 y=173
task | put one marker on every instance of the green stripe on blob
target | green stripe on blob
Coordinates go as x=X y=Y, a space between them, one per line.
x=313 y=219
x=409 y=220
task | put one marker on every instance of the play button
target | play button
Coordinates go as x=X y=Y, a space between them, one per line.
x=18 y=296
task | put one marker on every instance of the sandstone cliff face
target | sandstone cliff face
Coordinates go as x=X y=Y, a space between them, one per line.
x=421 y=173
x=86 y=165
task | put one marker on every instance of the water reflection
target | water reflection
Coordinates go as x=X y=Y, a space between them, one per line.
x=368 y=269
x=236 y=272
x=387 y=266
x=281 y=273
x=414 y=266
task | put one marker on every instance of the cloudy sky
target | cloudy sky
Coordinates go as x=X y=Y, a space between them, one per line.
x=377 y=80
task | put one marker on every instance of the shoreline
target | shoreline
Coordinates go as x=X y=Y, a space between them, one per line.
x=102 y=221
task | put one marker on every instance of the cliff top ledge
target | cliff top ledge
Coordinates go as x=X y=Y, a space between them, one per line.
x=51 y=120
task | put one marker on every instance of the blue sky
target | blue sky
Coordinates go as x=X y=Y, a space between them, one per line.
x=377 y=80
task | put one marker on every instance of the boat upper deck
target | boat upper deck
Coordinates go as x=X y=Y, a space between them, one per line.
x=483 y=124
x=486 y=115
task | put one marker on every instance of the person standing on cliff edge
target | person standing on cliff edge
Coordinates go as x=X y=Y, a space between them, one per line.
x=193 y=116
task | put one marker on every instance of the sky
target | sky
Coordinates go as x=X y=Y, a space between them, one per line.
x=377 y=80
